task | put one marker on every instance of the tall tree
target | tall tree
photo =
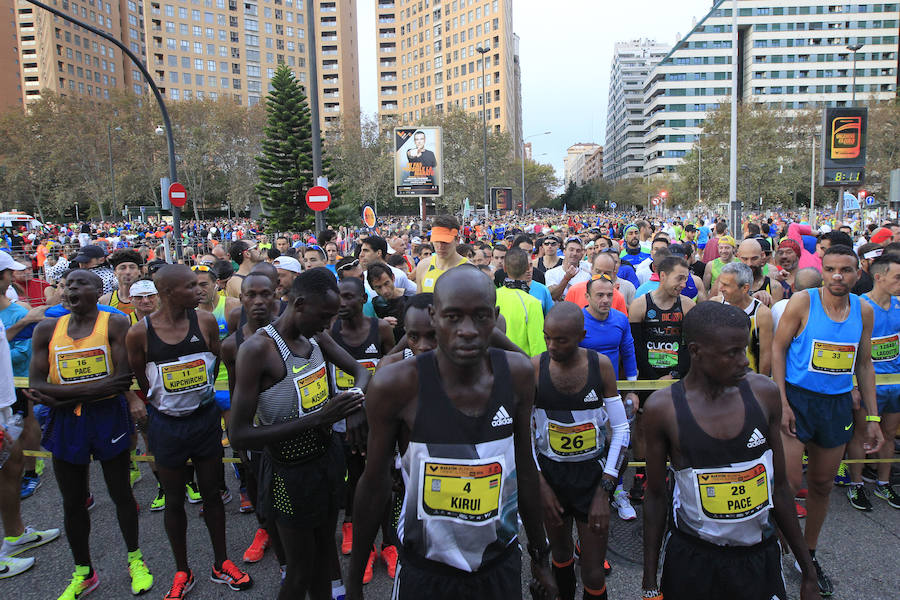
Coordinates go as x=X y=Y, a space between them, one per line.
x=285 y=166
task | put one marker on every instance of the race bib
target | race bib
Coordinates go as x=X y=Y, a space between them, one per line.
x=572 y=440
x=80 y=366
x=344 y=381
x=184 y=376
x=832 y=358
x=467 y=491
x=886 y=349
x=663 y=358
x=312 y=391
x=733 y=495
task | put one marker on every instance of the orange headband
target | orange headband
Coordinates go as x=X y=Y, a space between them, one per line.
x=443 y=234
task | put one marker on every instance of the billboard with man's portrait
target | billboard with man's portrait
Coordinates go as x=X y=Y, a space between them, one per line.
x=418 y=158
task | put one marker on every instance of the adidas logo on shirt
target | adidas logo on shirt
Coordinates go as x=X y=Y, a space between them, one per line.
x=756 y=439
x=501 y=418
x=194 y=338
x=371 y=349
x=592 y=397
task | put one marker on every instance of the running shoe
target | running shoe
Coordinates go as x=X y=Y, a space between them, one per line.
x=134 y=473
x=347 y=538
x=801 y=510
x=231 y=576
x=141 y=579
x=158 y=503
x=89 y=502
x=30 y=538
x=30 y=485
x=826 y=588
x=39 y=466
x=226 y=496
x=184 y=582
x=886 y=492
x=193 y=493
x=869 y=474
x=256 y=550
x=843 y=475
x=246 y=505
x=801 y=493
x=389 y=556
x=637 y=489
x=623 y=506
x=81 y=585
x=10 y=567
x=859 y=498
x=369 y=573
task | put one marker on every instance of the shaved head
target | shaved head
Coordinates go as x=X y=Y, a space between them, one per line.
x=267 y=269
x=90 y=276
x=566 y=314
x=465 y=276
x=168 y=276
x=807 y=278
x=252 y=277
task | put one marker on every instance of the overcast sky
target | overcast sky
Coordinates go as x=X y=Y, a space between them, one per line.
x=566 y=57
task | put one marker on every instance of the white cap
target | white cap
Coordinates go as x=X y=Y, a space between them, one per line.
x=7 y=262
x=142 y=287
x=288 y=264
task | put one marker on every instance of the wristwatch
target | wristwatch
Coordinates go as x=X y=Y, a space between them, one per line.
x=609 y=485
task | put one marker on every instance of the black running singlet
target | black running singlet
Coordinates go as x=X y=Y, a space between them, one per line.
x=367 y=353
x=662 y=338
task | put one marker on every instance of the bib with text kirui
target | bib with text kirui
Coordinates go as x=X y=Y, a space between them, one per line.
x=886 y=348
x=80 y=366
x=184 y=376
x=461 y=490
x=572 y=440
x=733 y=495
x=832 y=357
x=312 y=390
x=344 y=381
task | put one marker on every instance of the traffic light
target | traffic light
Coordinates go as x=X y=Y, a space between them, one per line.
x=663 y=194
x=593 y=206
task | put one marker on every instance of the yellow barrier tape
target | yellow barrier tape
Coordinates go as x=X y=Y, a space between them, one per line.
x=630 y=386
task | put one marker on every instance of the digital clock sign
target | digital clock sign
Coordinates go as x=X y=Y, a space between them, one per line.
x=844 y=147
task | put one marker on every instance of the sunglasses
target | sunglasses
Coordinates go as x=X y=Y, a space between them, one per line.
x=201 y=268
x=349 y=265
x=551 y=243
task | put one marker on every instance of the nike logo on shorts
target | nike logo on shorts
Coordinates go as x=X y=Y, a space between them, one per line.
x=116 y=439
x=847 y=428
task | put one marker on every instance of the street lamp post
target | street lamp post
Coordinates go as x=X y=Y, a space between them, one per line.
x=523 y=165
x=854 y=48
x=314 y=108
x=176 y=212
x=482 y=50
x=112 y=179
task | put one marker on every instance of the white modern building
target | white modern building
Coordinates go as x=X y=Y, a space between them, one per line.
x=623 y=154
x=792 y=55
x=576 y=161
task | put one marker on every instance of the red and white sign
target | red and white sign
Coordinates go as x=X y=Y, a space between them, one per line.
x=318 y=198
x=177 y=194
x=655 y=201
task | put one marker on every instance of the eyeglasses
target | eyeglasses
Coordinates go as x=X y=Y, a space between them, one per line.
x=349 y=265
x=551 y=243
x=201 y=268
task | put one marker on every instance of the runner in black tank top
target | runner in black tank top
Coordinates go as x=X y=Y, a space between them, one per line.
x=720 y=428
x=258 y=301
x=366 y=339
x=576 y=390
x=461 y=416
x=282 y=404
x=656 y=327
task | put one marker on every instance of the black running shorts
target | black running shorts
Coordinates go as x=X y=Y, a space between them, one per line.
x=499 y=581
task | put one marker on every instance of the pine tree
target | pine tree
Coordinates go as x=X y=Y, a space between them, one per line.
x=285 y=166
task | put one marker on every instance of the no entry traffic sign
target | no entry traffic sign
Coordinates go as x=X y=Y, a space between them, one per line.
x=318 y=198
x=177 y=194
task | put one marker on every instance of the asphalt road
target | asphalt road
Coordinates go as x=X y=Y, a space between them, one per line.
x=859 y=551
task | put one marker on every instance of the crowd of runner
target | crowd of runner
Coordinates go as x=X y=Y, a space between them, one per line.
x=446 y=384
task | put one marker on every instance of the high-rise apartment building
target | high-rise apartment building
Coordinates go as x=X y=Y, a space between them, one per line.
x=576 y=161
x=792 y=55
x=428 y=60
x=10 y=68
x=624 y=148
x=192 y=48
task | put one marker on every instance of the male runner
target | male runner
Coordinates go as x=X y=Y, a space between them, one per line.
x=824 y=337
x=390 y=301
x=245 y=255
x=288 y=269
x=313 y=257
x=17 y=537
x=80 y=369
x=603 y=264
x=282 y=405
x=420 y=334
x=886 y=358
x=258 y=299
x=444 y=237
x=570 y=272
x=173 y=353
x=787 y=258
x=750 y=253
x=719 y=426
x=461 y=415
x=714 y=267
x=633 y=253
x=576 y=390
x=735 y=283
x=656 y=320
x=523 y=313
x=372 y=250
x=126 y=266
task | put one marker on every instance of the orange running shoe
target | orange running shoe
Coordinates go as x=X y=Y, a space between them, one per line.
x=347 y=538
x=256 y=550
x=231 y=576
x=369 y=573
x=801 y=511
x=389 y=555
x=184 y=582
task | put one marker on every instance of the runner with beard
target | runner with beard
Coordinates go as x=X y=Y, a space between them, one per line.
x=765 y=290
x=787 y=258
x=126 y=266
x=633 y=253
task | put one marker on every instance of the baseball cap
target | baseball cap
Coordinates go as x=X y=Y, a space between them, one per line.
x=89 y=252
x=7 y=262
x=287 y=263
x=881 y=235
x=416 y=241
x=142 y=287
x=727 y=240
